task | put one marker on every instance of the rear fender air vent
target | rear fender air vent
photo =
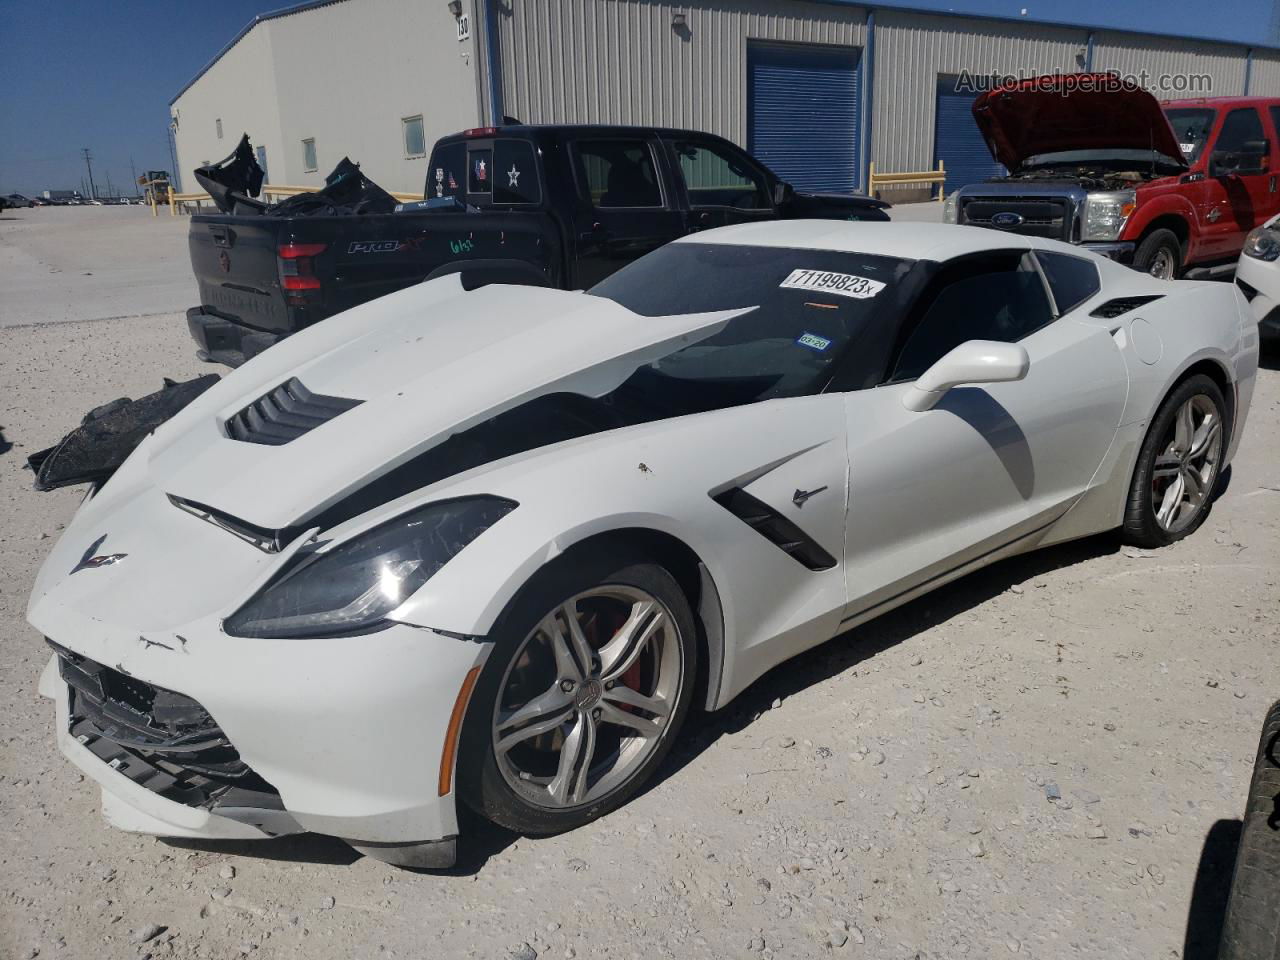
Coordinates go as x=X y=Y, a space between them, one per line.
x=285 y=413
x=1121 y=305
x=775 y=528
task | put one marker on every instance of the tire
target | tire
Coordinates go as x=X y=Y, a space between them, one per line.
x=1143 y=526
x=1251 y=929
x=608 y=589
x=1159 y=254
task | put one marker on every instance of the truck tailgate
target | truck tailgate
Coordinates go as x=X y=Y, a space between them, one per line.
x=234 y=259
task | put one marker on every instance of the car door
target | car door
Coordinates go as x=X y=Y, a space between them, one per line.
x=1235 y=198
x=621 y=212
x=991 y=464
x=722 y=184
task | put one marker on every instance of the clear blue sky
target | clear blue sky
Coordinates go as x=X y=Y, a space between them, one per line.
x=89 y=73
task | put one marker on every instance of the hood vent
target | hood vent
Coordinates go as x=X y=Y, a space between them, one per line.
x=1114 y=308
x=285 y=413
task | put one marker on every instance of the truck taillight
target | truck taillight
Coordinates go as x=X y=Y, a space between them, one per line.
x=297 y=268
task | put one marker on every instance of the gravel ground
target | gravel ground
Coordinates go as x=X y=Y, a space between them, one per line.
x=1046 y=759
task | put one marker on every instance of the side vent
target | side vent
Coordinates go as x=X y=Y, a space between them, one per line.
x=1114 y=308
x=775 y=528
x=285 y=413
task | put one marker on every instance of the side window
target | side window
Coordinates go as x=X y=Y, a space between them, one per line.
x=447 y=170
x=1073 y=280
x=515 y=174
x=619 y=173
x=1241 y=132
x=993 y=301
x=716 y=177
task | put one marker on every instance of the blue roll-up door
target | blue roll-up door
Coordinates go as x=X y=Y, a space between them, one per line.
x=802 y=113
x=957 y=141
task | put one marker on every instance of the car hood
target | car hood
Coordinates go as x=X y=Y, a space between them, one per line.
x=1072 y=112
x=401 y=375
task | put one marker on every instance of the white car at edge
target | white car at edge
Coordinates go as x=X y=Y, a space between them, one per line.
x=488 y=547
x=1258 y=276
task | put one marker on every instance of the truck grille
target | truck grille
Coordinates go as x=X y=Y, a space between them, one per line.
x=161 y=740
x=1040 y=218
x=285 y=413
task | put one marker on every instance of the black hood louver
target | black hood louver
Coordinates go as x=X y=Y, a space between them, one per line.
x=285 y=413
x=775 y=528
x=1121 y=305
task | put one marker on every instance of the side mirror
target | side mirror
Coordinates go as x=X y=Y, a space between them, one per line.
x=782 y=193
x=974 y=361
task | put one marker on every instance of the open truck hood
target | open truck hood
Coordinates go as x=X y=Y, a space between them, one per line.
x=394 y=378
x=1073 y=112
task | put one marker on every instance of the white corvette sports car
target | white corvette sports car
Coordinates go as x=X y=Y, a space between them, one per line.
x=488 y=546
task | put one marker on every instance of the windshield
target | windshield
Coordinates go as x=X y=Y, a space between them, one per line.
x=808 y=308
x=1191 y=125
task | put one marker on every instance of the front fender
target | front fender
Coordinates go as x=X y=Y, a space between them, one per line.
x=1165 y=205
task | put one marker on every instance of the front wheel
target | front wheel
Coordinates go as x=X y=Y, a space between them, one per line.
x=589 y=681
x=1178 y=465
x=1160 y=255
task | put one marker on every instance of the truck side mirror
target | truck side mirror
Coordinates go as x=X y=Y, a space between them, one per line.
x=782 y=193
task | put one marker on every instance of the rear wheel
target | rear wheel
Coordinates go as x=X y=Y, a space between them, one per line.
x=1178 y=465
x=586 y=688
x=1160 y=255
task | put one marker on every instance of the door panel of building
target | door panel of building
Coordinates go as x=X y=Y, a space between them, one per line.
x=803 y=116
x=958 y=142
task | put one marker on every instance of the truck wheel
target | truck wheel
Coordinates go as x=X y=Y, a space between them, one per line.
x=1160 y=255
x=1252 y=925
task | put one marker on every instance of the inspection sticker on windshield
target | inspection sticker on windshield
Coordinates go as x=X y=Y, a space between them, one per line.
x=813 y=341
x=841 y=284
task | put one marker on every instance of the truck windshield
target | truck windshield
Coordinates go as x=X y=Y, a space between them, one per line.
x=808 y=309
x=1191 y=125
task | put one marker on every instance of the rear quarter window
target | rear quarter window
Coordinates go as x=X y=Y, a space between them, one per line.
x=1073 y=280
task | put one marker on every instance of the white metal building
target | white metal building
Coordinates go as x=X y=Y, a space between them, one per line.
x=816 y=89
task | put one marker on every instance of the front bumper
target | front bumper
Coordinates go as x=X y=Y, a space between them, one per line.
x=1120 y=252
x=219 y=340
x=347 y=739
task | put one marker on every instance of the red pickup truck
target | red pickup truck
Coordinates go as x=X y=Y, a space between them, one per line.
x=1172 y=188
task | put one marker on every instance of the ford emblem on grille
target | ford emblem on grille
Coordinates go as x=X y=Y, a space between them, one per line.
x=1006 y=220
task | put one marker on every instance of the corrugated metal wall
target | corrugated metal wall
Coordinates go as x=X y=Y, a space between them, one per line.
x=1264 y=79
x=622 y=61
x=911 y=50
x=1156 y=60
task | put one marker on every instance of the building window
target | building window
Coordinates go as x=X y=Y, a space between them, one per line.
x=218 y=123
x=415 y=143
x=309 y=155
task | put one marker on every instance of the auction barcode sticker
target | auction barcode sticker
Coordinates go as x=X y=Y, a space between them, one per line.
x=841 y=284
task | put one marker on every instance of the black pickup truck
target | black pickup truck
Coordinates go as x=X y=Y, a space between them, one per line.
x=560 y=206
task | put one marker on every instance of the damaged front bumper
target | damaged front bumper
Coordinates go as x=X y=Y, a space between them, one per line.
x=343 y=738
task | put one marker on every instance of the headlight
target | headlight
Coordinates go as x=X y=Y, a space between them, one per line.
x=352 y=588
x=1262 y=244
x=1105 y=214
x=949 y=207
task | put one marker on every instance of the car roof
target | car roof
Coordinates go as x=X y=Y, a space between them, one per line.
x=906 y=241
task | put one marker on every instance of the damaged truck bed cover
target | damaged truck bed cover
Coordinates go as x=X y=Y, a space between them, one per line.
x=559 y=206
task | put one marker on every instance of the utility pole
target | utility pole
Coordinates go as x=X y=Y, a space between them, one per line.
x=134 y=173
x=88 y=162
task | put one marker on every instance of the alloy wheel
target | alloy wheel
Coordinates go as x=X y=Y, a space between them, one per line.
x=588 y=696
x=1184 y=474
